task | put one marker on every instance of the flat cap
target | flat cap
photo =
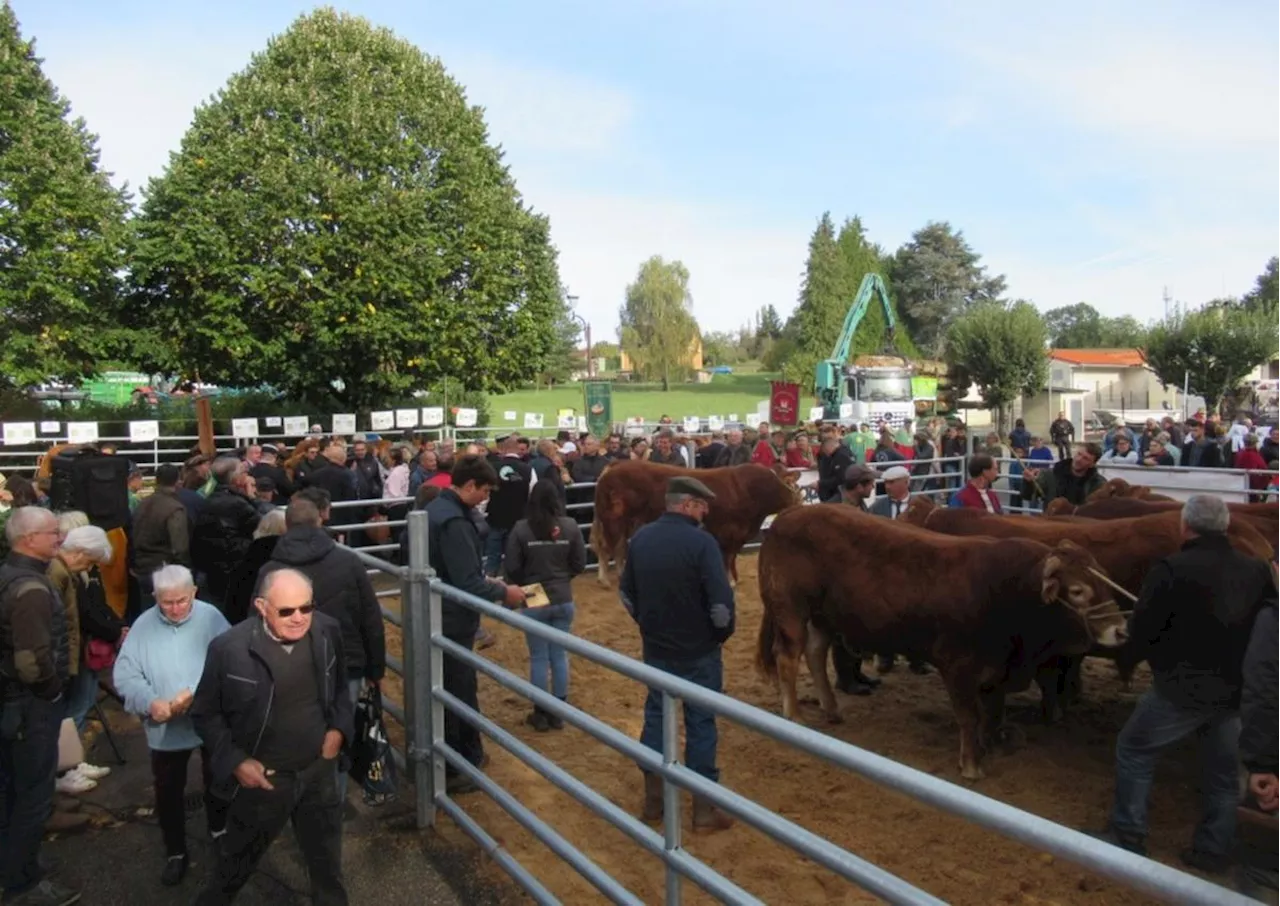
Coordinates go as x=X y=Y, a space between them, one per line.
x=683 y=484
x=271 y=448
x=896 y=472
x=858 y=473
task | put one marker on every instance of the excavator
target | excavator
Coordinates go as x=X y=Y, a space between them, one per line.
x=875 y=388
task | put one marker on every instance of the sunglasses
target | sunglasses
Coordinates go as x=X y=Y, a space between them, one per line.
x=305 y=610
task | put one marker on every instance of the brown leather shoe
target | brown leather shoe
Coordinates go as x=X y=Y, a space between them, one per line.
x=706 y=817
x=65 y=822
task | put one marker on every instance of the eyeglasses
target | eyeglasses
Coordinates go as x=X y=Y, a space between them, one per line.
x=305 y=610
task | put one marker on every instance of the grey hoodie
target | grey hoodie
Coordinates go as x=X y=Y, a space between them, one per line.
x=551 y=563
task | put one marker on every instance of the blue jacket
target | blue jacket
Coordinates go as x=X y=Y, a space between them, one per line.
x=158 y=660
x=456 y=552
x=675 y=587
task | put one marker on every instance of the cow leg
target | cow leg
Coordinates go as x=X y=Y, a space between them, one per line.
x=602 y=548
x=1049 y=678
x=788 y=642
x=816 y=650
x=995 y=730
x=963 y=691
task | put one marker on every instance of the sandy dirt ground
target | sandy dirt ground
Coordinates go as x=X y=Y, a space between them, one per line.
x=1064 y=774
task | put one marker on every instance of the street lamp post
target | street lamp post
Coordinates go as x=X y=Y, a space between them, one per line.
x=586 y=328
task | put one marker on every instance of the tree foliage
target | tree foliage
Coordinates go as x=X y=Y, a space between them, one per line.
x=1080 y=326
x=658 y=328
x=563 y=358
x=62 y=233
x=337 y=210
x=768 y=323
x=1001 y=348
x=935 y=278
x=1214 y=348
x=1265 y=295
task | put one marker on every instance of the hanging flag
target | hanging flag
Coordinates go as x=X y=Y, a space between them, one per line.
x=784 y=403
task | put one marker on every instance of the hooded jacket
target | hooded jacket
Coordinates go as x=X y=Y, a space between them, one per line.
x=341 y=590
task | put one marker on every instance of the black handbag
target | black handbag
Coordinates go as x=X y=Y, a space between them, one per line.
x=371 y=763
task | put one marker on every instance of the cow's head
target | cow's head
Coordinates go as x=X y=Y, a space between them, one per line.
x=919 y=510
x=1070 y=576
x=1060 y=506
x=1114 y=487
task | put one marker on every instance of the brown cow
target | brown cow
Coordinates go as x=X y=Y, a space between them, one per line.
x=1264 y=518
x=1119 y=488
x=986 y=613
x=632 y=493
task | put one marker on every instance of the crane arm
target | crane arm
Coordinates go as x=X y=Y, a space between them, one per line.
x=872 y=285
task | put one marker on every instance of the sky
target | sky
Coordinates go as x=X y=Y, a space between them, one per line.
x=1092 y=151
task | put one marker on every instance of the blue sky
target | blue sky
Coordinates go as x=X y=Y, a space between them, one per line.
x=1093 y=151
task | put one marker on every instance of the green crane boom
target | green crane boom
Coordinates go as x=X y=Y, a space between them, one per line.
x=829 y=380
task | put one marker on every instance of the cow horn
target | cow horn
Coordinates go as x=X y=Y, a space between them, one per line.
x=1115 y=585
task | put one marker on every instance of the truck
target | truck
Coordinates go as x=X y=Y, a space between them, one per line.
x=873 y=389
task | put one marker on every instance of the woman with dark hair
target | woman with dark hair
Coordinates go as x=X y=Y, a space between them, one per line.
x=546 y=548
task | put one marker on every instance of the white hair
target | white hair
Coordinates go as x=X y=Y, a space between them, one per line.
x=1205 y=514
x=26 y=520
x=173 y=577
x=71 y=519
x=91 y=540
x=272 y=523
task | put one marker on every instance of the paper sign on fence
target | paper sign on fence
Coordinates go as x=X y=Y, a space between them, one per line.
x=561 y=413
x=406 y=418
x=382 y=421
x=565 y=421
x=244 y=428
x=715 y=423
x=272 y=421
x=815 y=413
x=732 y=417
x=465 y=418
x=510 y=415
x=533 y=419
x=432 y=416
x=345 y=423
x=846 y=410
x=295 y=425
x=82 y=432
x=144 y=432
x=582 y=423
x=50 y=427
x=692 y=424
x=19 y=433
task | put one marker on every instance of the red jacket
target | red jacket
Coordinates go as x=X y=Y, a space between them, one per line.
x=1251 y=459
x=970 y=496
x=764 y=454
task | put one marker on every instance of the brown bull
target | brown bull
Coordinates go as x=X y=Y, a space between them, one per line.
x=1264 y=518
x=986 y=613
x=632 y=493
x=1118 y=488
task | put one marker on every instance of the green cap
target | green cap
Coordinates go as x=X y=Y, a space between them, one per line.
x=683 y=484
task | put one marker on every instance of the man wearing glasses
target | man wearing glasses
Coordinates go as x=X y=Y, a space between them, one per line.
x=274 y=712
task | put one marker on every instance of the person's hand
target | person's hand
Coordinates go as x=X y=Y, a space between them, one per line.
x=514 y=596
x=332 y=745
x=251 y=774
x=160 y=712
x=1266 y=789
x=1031 y=474
x=181 y=703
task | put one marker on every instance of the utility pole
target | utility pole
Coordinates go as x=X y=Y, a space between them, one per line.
x=586 y=329
x=1167 y=300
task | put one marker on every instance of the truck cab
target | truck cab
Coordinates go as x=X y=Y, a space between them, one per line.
x=880 y=393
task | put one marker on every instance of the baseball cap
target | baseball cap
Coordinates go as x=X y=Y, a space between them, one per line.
x=896 y=472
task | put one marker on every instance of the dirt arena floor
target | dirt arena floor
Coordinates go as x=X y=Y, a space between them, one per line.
x=1064 y=774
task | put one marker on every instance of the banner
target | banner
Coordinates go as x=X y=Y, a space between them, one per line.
x=784 y=403
x=598 y=399
x=924 y=388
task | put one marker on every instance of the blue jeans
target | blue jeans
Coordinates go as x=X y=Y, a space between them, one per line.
x=29 y=728
x=699 y=724
x=495 y=545
x=1155 y=725
x=82 y=692
x=543 y=653
x=353 y=687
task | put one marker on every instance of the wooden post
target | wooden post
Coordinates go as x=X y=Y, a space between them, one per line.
x=204 y=426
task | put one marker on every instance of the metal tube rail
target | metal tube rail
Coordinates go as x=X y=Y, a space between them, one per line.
x=391 y=616
x=379 y=564
x=356 y=526
x=691 y=868
x=1095 y=855
x=548 y=835
x=393 y=708
x=495 y=851
x=850 y=867
x=395 y=665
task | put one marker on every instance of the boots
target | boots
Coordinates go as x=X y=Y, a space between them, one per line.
x=538 y=719
x=652 y=798
x=706 y=817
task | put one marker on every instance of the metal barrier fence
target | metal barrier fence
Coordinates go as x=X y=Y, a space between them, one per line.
x=427 y=753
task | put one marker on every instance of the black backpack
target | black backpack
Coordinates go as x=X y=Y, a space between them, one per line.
x=94 y=483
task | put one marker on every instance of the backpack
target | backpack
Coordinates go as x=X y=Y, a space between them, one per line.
x=94 y=483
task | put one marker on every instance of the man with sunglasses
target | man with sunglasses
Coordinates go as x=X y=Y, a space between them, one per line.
x=273 y=710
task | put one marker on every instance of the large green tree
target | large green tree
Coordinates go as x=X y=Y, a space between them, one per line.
x=1213 y=349
x=657 y=324
x=62 y=233
x=563 y=358
x=935 y=278
x=1001 y=348
x=1265 y=295
x=337 y=209
x=1080 y=326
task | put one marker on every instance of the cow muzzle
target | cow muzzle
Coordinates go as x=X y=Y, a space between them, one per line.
x=1105 y=623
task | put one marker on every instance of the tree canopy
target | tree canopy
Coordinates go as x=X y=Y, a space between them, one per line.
x=1265 y=295
x=658 y=328
x=62 y=232
x=935 y=278
x=1213 y=348
x=1080 y=326
x=1001 y=348
x=337 y=210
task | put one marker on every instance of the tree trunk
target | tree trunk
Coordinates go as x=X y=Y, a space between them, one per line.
x=666 y=382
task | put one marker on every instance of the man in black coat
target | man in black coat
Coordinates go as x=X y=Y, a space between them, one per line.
x=268 y=467
x=1200 y=450
x=223 y=530
x=1192 y=623
x=834 y=460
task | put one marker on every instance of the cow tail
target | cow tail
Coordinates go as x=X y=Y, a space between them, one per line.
x=766 y=661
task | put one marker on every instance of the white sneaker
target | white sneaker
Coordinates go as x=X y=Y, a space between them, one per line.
x=72 y=783
x=91 y=771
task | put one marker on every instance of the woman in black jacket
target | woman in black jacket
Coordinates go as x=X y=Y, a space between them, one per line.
x=546 y=547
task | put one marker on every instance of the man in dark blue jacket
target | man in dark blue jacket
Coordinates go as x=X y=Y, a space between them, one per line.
x=456 y=553
x=674 y=586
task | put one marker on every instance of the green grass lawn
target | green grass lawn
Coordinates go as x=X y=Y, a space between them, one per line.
x=735 y=394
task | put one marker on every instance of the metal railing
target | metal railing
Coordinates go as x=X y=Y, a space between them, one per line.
x=428 y=753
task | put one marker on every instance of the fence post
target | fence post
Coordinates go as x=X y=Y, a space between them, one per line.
x=420 y=663
x=670 y=793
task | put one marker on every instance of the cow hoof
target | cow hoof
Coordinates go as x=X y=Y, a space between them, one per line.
x=973 y=774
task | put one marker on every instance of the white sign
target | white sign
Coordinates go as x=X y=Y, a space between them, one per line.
x=50 y=427
x=406 y=418
x=143 y=432
x=692 y=424
x=565 y=421
x=465 y=418
x=344 y=423
x=82 y=432
x=19 y=433
x=295 y=425
x=510 y=415
x=244 y=428
x=382 y=421
x=815 y=413
x=1180 y=484
x=272 y=421
x=715 y=423
x=433 y=416
x=846 y=410
x=635 y=426
x=733 y=417
x=582 y=423
x=533 y=419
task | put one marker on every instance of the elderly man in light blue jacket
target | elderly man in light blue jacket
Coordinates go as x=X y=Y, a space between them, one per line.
x=156 y=674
